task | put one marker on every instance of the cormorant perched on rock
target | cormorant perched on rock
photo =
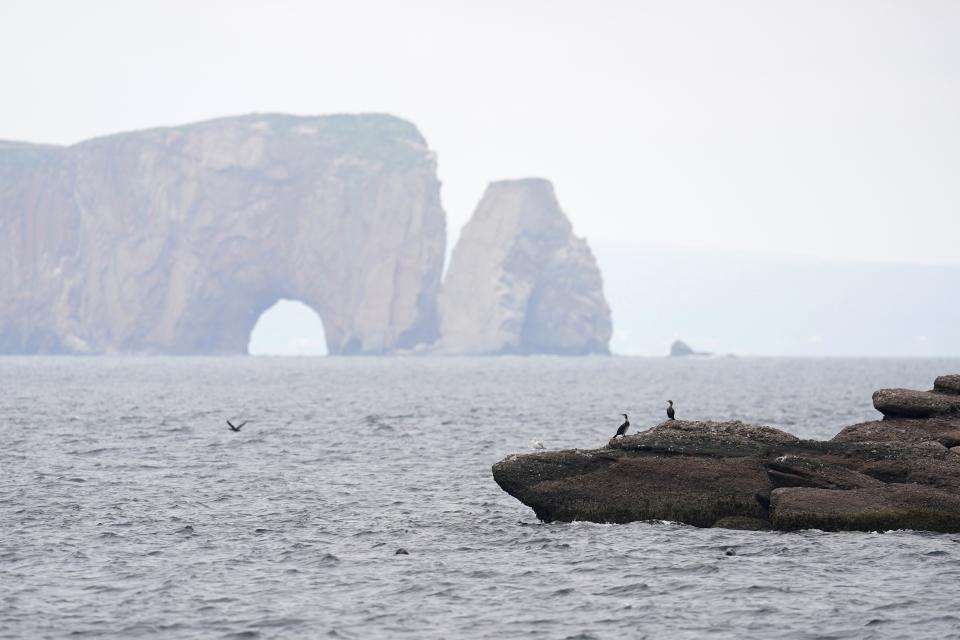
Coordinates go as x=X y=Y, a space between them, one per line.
x=622 y=431
x=670 y=411
x=236 y=427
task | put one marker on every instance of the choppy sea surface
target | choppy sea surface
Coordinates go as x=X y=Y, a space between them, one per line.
x=128 y=509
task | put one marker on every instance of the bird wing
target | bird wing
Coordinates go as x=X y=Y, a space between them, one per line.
x=230 y=424
x=240 y=426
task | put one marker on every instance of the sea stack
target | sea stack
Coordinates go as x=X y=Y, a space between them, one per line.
x=521 y=282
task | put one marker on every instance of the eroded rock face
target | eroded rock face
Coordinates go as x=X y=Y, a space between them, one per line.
x=175 y=240
x=891 y=506
x=942 y=429
x=947 y=384
x=907 y=403
x=617 y=486
x=519 y=281
x=890 y=474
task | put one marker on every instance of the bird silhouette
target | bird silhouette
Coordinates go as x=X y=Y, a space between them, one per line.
x=236 y=427
x=670 y=412
x=622 y=431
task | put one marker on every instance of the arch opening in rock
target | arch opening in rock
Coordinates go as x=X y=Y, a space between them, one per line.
x=288 y=328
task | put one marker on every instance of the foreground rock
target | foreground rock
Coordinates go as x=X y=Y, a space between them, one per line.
x=947 y=384
x=175 y=240
x=906 y=403
x=890 y=506
x=897 y=473
x=520 y=282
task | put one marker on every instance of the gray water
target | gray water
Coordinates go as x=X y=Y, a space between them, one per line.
x=129 y=510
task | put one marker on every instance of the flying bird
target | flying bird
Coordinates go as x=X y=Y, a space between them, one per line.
x=236 y=427
x=622 y=431
x=670 y=412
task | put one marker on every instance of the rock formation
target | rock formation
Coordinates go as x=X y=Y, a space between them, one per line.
x=947 y=384
x=175 y=240
x=680 y=348
x=520 y=282
x=902 y=472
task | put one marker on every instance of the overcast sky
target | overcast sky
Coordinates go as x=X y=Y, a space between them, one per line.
x=817 y=128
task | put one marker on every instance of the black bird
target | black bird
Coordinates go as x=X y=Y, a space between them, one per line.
x=670 y=411
x=236 y=427
x=622 y=431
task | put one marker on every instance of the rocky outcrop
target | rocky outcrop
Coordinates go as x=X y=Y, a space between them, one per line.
x=890 y=506
x=941 y=429
x=520 y=282
x=175 y=240
x=680 y=349
x=890 y=474
x=907 y=403
x=947 y=384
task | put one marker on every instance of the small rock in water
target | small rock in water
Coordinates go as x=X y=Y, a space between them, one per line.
x=730 y=552
x=680 y=348
x=401 y=552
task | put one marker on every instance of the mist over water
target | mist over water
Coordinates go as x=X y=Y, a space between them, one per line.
x=130 y=510
x=764 y=304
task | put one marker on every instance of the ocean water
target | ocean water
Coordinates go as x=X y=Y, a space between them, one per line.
x=128 y=509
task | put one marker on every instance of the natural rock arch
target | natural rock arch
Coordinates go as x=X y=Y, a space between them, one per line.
x=176 y=240
x=288 y=327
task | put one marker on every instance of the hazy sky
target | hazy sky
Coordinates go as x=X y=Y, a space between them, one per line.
x=822 y=128
x=288 y=328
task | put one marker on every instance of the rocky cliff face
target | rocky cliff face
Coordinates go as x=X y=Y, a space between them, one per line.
x=175 y=240
x=520 y=282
